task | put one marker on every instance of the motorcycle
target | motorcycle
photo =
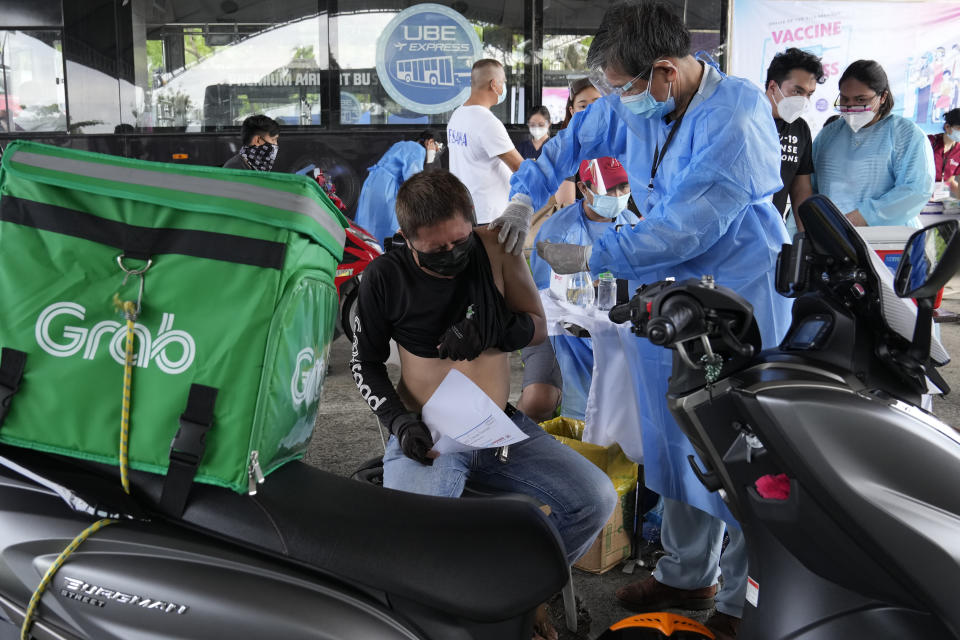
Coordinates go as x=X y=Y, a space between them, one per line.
x=359 y=250
x=844 y=486
x=311 y=555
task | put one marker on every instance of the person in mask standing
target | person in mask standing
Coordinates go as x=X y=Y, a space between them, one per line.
x=606 y=189
x=703 y=157
x=482 y=155
x=260 y=136
x=792 y=78
x=376 y=210
x=538 y=123
x=452 y=298
x=875 y=166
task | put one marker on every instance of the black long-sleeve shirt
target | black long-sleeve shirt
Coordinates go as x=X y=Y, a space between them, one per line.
x=399 y=300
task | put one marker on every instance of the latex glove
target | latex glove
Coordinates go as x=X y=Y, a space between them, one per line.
x=565 y=258
x=461 y=341
x=414 y=436
x=514 y=223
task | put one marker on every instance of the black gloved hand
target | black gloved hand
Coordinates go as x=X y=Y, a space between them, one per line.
x=414 y=436
x=461 y=341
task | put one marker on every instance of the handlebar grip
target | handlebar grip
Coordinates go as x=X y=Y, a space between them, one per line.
x=620 y=313
x=677 y=312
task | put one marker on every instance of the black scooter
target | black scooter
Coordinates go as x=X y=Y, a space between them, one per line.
x=845 y=487
x=311 y=555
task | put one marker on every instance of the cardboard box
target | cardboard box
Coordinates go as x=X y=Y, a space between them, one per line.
x=612 y=545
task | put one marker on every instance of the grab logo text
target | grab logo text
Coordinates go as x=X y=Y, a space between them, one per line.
x=171 y=350
x=307 y=377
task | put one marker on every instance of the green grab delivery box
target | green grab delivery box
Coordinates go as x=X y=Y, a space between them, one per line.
x=237 y=296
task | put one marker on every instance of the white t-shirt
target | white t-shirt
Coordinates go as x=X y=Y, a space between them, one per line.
x=475 y=139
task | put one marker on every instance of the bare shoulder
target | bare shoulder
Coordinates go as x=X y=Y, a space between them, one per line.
x=495 y=253
x=490 y=241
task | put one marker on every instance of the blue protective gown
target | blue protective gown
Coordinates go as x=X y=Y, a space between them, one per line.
x=571 y=225
x=575 y=355
x=376 y=208
x=885 y=171
x=709 y=212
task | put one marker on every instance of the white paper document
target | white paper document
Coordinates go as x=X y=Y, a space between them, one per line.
x=461 y=417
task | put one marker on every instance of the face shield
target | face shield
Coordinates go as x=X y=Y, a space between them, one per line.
x=599 y=80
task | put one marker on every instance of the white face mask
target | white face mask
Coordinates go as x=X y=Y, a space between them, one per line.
x=431 y=154
x=858 y=119
x=791 y=108
x=538 y=132
x=503 y=93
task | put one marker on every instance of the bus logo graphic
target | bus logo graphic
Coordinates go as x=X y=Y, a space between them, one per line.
x=427 y=71
x=424 y=58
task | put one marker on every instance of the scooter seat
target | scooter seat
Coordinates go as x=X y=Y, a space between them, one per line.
x=480 y=559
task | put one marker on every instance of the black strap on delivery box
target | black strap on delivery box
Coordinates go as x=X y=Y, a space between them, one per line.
x=187 y=449
x=12 y=363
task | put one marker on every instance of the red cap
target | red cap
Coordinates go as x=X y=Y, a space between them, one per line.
x=611 y=172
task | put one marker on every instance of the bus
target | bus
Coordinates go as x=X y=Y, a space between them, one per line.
x=172 y=80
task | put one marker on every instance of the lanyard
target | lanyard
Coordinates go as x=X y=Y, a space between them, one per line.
x=660 y=153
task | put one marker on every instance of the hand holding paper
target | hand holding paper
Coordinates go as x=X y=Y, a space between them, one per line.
x=461 y=417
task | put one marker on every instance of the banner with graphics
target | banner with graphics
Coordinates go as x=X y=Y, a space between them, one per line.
x=424 y=58
x=917 y=43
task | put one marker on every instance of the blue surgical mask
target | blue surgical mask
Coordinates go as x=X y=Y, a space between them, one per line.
x=609 y=206
x=954 y=135
x=645 y=105
x=503 y=93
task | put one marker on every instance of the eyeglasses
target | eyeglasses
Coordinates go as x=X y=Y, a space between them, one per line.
x=599 y=80
x=859 y=103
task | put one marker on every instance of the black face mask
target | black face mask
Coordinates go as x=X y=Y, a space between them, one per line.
x=448 y=263
x=260 y=158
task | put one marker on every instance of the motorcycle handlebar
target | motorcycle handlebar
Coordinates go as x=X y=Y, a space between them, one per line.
x=678 y=311
x=620 y=313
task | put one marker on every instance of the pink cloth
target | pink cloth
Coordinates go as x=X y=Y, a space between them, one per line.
x=773 y=487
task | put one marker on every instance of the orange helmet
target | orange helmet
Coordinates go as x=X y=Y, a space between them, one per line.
x=657 y=626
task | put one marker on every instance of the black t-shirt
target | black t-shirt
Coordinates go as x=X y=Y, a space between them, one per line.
x=796 y=158
x=398 y=300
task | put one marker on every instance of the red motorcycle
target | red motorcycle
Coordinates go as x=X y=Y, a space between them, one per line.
x=359 y=250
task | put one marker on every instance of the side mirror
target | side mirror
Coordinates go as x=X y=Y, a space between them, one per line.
x=930 y=258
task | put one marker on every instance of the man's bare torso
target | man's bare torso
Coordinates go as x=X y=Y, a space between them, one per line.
x=420 y=377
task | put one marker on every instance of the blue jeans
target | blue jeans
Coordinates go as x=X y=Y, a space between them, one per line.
x=580 y=496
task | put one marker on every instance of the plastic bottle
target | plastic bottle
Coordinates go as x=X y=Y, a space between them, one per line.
x=606 y=291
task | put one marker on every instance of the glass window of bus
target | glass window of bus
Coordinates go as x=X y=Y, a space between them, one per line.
x=414 y=68
x=208 y=67
x=706 y=23
x=31 y=13
x=31 y=81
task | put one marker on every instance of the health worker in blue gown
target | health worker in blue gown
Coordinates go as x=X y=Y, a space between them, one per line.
x=376 y=207
x=875 y=166
x=703 y=157
x=606 y=191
